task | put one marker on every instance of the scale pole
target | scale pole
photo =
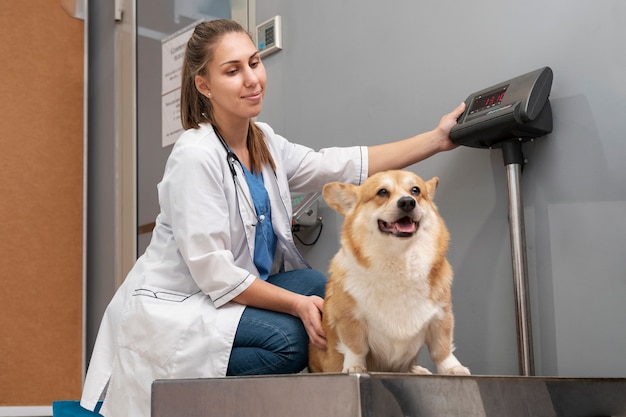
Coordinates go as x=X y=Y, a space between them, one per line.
x=513 y=161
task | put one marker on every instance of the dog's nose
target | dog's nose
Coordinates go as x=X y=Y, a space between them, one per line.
x=406 y=203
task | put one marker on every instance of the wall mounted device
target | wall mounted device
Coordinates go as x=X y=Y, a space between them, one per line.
x=504 y=116
x=305 y=216
x=269 y=37
x=305 y=210
x=515 y=109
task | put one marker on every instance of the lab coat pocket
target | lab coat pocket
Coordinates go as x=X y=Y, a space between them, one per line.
x=156 y=321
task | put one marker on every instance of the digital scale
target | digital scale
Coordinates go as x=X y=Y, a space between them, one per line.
x=517 y=109
x=504 y=116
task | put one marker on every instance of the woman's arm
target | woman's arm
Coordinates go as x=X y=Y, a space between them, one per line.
x=401 y=154
x=262 y=294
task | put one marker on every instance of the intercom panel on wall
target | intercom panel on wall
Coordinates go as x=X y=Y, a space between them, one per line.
x=269 y=36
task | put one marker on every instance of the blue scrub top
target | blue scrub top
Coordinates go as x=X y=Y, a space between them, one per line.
x=265 y=238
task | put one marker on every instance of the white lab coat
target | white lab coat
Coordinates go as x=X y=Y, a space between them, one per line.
x=173 y=316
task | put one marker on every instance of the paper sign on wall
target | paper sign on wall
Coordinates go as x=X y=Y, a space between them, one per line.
x=172 y=54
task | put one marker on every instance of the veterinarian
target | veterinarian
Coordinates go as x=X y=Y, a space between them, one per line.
x=222 y=289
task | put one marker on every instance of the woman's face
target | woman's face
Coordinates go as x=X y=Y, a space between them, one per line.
x=235 y=79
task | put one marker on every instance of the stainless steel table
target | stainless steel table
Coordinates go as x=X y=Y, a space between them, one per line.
x=388 y=395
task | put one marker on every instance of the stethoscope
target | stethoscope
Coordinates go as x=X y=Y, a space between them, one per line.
x=231 y=159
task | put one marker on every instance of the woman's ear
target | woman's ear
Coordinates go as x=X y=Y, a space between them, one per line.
x=202 y=86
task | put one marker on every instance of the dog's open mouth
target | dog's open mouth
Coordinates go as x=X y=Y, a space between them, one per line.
x=405 y=227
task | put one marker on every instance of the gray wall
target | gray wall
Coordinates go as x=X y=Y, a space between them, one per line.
x=363 y=72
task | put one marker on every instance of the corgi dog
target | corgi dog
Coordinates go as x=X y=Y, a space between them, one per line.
x=389 y=286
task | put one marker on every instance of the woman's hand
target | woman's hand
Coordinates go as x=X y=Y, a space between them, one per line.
x=309 y=310
x=262 y=294
x=446 y=123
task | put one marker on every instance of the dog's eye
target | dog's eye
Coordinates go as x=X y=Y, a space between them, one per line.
x=383 y=192
x=415 y=191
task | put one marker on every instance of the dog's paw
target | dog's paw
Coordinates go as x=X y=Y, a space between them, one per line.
x=452 y=366
x=419 y=370
x=356 y=369
x=456 y=370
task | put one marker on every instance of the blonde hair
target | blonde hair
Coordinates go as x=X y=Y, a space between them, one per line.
x=194 y=106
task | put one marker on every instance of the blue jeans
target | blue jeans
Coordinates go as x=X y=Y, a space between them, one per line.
x=268 y=342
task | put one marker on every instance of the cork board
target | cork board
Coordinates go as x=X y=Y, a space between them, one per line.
x=41 y=203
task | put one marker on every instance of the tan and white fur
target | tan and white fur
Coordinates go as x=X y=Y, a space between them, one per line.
x=389 y=289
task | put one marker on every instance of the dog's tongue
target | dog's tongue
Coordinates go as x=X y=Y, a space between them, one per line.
x=404 y=225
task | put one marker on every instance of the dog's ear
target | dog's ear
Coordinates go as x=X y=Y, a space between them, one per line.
x=341 y=197
x=431 y=186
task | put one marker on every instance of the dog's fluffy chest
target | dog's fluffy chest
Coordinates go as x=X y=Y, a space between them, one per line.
x=396 y=312
x=393 y=297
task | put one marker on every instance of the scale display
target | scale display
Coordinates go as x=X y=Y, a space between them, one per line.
x=515 y=109
x=488 y=100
